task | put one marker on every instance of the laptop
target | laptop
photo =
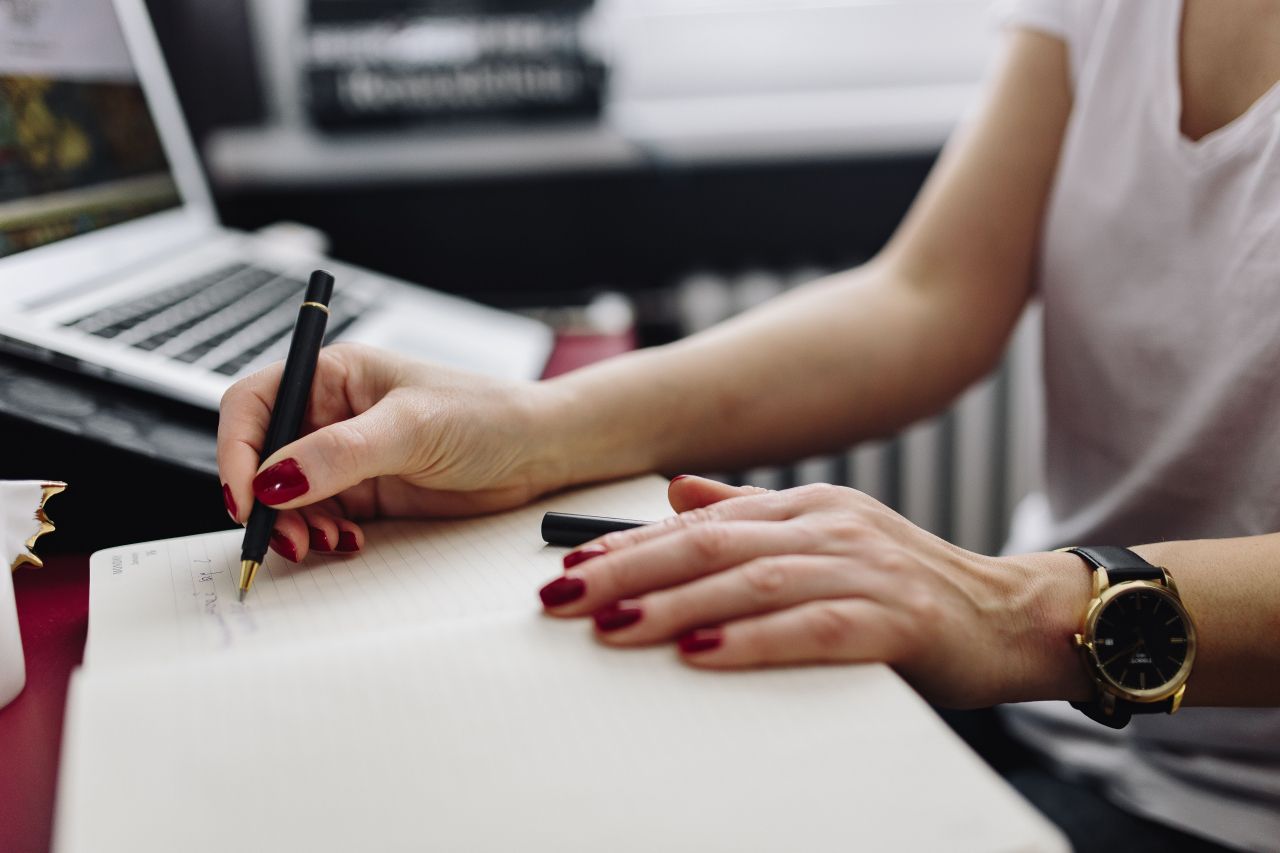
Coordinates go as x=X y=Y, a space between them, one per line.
x=112 y=261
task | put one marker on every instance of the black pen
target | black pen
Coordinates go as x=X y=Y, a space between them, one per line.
x=565 y=528
x=286 y=415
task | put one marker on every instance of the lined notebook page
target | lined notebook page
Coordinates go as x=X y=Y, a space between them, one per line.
x=516 y=732
x=171 y=599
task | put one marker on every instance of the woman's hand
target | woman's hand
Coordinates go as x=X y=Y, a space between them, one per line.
x=744 y=577
x=383 y=436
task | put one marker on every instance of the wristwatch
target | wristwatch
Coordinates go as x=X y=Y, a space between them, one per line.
x=1138 y=641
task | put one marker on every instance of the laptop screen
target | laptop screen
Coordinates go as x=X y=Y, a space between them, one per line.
x=78 y=148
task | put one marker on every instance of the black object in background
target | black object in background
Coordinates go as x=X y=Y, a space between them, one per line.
x=370 y=63
x=208 y=48
x=139 y=467
x=512 y=241
x=358 y=10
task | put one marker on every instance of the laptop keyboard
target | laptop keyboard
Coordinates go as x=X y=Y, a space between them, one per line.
x=223 y=320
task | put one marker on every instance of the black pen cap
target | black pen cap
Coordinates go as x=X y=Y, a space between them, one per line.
x=320 y=287
x=568 y=529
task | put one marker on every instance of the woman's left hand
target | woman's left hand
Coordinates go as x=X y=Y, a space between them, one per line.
x=745 y=577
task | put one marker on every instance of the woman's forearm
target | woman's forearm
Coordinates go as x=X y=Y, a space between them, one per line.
x=858 y=354
x=853 y=356
x=1230 y=587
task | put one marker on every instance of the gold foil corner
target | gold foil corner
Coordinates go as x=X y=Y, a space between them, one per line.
x=46 y=526
x=47 y=490
x=27 y=560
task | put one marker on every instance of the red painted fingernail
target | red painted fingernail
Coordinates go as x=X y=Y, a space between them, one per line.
x=229 y=500
x=700 y=640
x=282 y=482
x=282 y=546
x=562 y=591
x=679 y=477
x=347 y=542
x=617 y=616
x=573 y=558
x=320 y=540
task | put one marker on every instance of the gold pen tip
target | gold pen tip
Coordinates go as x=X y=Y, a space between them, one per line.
x=248 y=568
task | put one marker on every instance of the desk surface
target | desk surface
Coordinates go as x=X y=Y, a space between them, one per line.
x=53 y=611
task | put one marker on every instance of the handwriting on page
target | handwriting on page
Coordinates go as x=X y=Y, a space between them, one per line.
x=213 y=581
x=410 y=572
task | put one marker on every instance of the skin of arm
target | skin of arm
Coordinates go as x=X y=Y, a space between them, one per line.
x=856 y=355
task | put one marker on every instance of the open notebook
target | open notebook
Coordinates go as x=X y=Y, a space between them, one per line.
x=413 y=697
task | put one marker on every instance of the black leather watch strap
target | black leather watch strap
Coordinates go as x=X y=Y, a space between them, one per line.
x=1121 y=564
x=1124 y=710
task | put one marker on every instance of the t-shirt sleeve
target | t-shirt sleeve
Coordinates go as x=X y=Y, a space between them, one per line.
x=1073 y=21
x=1052 y=17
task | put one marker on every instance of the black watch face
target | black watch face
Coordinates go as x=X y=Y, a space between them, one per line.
x=1141 y=639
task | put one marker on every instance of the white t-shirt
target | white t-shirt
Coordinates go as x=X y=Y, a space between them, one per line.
x=1159 y=272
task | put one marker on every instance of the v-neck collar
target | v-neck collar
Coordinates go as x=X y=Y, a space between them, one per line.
x=1222 y=140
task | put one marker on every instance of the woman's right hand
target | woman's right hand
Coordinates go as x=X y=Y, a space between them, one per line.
x=383 y=436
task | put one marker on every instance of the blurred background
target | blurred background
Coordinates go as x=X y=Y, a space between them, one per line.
x=528 y=152
x=633 y=170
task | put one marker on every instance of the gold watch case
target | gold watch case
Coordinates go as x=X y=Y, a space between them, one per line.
x=1103 y=594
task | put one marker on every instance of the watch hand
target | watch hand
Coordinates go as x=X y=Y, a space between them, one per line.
x=1122 y=653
